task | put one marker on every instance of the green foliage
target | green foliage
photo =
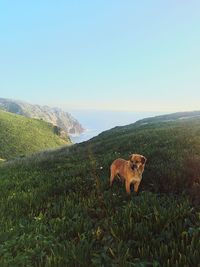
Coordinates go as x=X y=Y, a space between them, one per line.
x=57 y=209
x=20 y=136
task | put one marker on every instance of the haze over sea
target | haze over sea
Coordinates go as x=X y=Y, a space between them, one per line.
x=96 y=122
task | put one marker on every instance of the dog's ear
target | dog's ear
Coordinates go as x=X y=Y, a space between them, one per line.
x=143 y=160
x=131 y=157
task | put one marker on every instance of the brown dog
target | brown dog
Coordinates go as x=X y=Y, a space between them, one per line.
x=129 y=171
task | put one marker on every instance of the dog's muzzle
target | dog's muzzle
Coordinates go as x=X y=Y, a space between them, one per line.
x=134 y=166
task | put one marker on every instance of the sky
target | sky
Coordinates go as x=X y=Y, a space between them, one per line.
x=103 y=54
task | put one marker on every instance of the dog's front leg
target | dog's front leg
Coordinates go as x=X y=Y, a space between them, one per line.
x=136 y=186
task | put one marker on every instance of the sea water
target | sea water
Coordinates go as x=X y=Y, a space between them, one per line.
x=96 y=122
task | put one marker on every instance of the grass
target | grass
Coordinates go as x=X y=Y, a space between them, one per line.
x=20 y=136
x=57 y=208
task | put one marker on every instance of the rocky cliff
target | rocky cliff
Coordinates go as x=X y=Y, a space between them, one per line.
x=64 y=120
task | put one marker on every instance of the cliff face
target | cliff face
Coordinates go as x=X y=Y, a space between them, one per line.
x=56 y=116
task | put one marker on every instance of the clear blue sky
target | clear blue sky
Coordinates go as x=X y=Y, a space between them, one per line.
x=103 y=54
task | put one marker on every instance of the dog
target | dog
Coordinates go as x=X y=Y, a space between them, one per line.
x=129 y=171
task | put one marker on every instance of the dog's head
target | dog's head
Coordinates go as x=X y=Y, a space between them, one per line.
x=138 y=161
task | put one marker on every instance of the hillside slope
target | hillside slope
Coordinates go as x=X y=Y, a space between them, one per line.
x=55 y=116
x=57 y=208
x=22 y=136
x=171 y=117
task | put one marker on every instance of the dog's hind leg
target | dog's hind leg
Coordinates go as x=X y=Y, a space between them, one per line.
x=121 y=178
x=112 y=175
x=128 y=187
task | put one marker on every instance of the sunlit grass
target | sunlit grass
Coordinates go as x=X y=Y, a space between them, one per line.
x=21 y=136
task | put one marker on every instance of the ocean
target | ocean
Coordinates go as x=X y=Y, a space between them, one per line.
x=96 y=122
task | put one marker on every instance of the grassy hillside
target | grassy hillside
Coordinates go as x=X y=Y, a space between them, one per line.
x=22 y=136
x=57 y=209
x=55 y=116
x=171 y=117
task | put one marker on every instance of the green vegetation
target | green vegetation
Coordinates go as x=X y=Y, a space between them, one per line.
x=2 y=160
x=57 y=209
x=56 y=116
x=20 y=136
